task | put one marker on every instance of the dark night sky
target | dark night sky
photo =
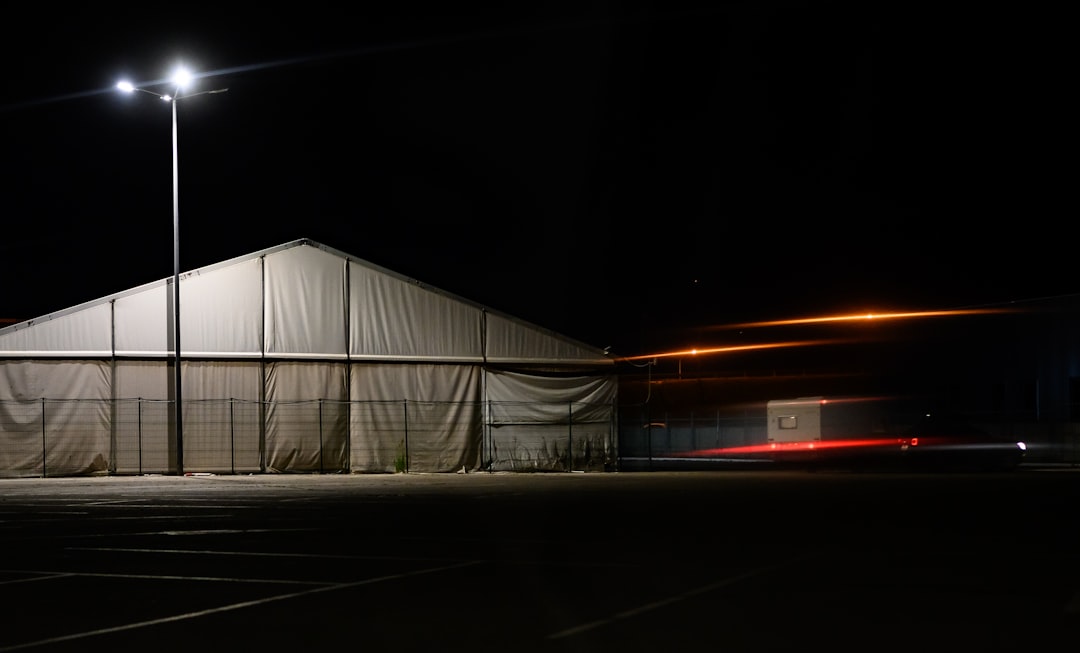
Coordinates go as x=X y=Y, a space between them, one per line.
x=623 y=173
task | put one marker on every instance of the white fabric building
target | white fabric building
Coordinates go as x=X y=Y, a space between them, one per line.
x=299 y=358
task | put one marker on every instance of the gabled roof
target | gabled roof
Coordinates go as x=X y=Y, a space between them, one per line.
x=298 y=300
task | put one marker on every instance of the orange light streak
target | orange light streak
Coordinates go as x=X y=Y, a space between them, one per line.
x=866 y=317
x=732 y=349
x=855 y=317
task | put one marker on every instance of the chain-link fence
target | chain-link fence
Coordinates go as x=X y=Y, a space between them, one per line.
x=51 y=437
x=648 y=437
x=651 y=438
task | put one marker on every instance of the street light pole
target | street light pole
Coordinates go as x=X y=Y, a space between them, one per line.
x=180 y=79
x=177 y=404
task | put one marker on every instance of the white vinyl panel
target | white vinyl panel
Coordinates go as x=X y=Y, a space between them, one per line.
x=221 y=310
x=305 y=303
x=54 y=379
x=306 y=417
x=61 y=426
x=143 y=417
x=142 y=379
x=417 y=417
x=222 y=380
x=305 y=381
x=142 y=320
x=395 y=318
x=538 y=398
x=414 y=382
x=81 y=332
x=222 y=416
x=17 y=380
x=513 y=341
x=539 y=422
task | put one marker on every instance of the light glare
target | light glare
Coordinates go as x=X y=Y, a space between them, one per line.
x=182 y=77
x=733 y=349
x=863 y=317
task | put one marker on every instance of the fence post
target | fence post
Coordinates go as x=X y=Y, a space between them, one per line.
x=667 y=435
x=138 y=432
x=114 y=419
x=719 y=429
x=349 y=412
x=405 y=410
x=613 y=438
x=570 y=437
x=648 y=436
x=232 y=435
x=262 y=424
x=321 y=467
x=693 y=432
x=489 y=445
x=44 y=446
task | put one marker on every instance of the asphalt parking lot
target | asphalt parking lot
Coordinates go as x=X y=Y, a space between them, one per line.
x=716 y=560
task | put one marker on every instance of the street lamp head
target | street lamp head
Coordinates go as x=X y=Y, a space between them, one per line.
x=128 y=87
x=181 y=78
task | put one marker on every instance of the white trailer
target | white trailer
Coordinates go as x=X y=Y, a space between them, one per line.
x=826 y=419
x=794 y=420
x=818 y=428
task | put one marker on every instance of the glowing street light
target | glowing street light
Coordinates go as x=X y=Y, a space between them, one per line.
x=180 y=80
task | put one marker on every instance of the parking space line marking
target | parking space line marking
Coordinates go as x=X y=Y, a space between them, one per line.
x=256 y=554
x=626 y=614
x=46 y=575
x=228 y=608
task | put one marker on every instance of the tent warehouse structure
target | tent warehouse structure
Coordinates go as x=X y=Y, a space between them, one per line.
x=299 y=358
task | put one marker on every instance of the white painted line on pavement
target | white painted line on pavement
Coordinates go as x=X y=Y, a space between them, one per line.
x=227 y=608
x=258 y=554
x=626 y=614
x=48 y=575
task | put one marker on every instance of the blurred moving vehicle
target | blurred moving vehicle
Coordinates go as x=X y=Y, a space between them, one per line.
x=830 y=431
x=865 y=433
x=949 y=443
